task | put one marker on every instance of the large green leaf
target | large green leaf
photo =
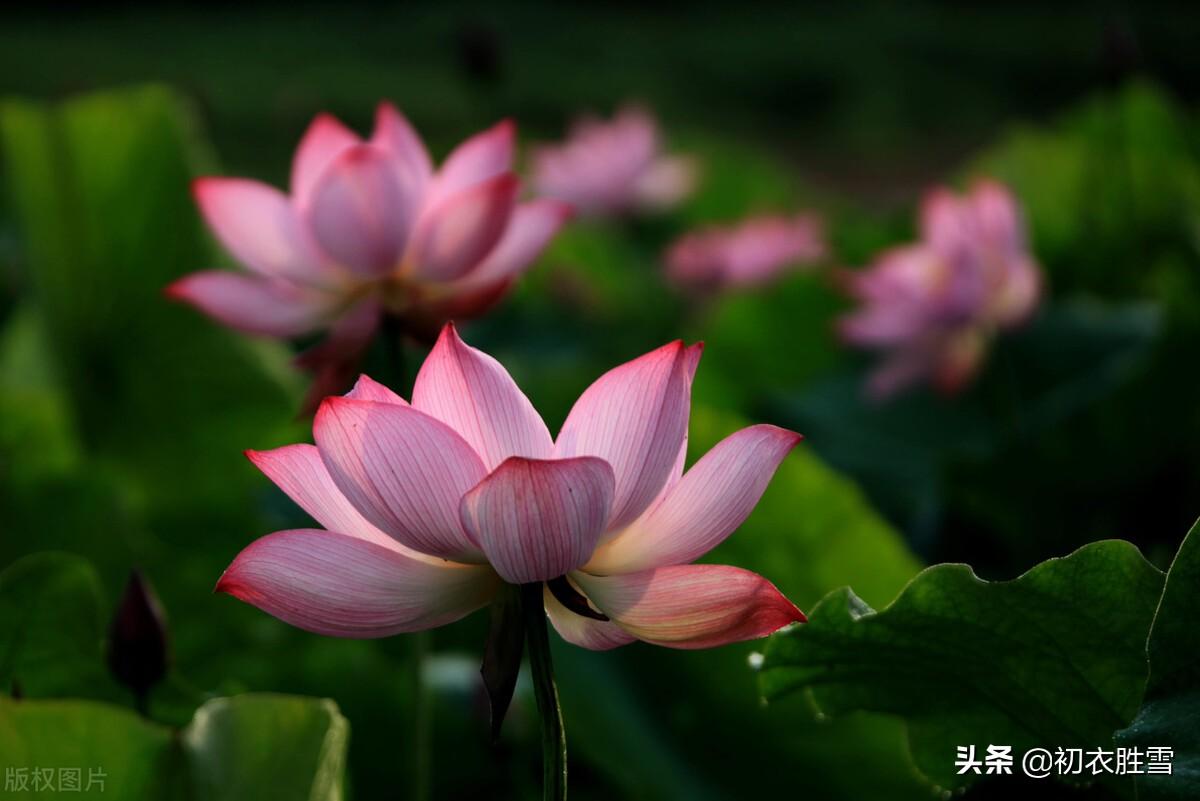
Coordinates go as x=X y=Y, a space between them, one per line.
x=249 y=747
x=50 y=626
x=1053 y=658
x=243 y=747
x=1170 y=717
x=118 y=755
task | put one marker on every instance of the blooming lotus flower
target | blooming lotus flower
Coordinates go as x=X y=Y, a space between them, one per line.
x=369 y=228
x=933 y=306
x=749 y=253
x=613 y=167
x=429 y=507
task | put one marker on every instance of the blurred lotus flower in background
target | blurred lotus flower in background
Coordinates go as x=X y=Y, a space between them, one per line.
x=370 y=228
x=428 y=508
x=933 y=306
x=613 y=167
x=752 y=252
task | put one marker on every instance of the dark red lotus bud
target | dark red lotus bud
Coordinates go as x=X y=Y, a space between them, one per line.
x=137 y=639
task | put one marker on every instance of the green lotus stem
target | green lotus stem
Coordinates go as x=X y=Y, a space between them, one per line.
x=421 y=716
x=554 y=737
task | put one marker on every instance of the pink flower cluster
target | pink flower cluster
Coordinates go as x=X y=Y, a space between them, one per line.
x=933 y=306
x=429 y=507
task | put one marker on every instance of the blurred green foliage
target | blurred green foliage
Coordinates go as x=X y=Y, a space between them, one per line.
x=51 y=626
x=100 y=194
x=1112 y=191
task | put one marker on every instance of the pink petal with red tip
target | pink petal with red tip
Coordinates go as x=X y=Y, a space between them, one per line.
x=259 y=226
x=452 y=238
x=340 y=586
x=472 y=393
x=530 y=228
x=361 y=211
x=325 y=140
x=368 y=389
x=299 y=472
x=480 y=158
x=395 y=135
x=403 y=470
x=691 y=362
x=595 y=635
x=691 y=606
x=635 y=418
x=672 y=477
x=704 y=507
x=536 y=519
x=254 y=304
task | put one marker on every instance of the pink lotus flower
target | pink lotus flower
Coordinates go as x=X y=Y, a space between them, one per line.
x=369 y=228
x=429 y=507
x=933 y=306
x=613 y=167
x=752 y=252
